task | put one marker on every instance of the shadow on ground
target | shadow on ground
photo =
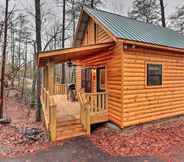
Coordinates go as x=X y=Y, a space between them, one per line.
x=77 y=150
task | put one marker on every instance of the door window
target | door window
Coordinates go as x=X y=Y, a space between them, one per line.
x=100 y=79
x=86 y=80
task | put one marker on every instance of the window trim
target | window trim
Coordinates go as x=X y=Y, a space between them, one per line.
x=146 y=75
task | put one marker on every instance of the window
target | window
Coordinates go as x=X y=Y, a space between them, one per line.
x=154 y=74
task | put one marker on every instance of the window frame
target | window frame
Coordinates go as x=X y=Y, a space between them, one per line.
x=147 y=75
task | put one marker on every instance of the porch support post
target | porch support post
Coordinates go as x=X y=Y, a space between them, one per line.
x=52 y=107
x=51 y=78
x=43 y=83
x=43 y=77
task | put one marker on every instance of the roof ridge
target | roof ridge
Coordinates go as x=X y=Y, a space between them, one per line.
x=129 y=18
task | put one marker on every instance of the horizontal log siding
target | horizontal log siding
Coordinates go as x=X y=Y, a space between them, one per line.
x=141 y=103
x=112 y=60
x=114 y=86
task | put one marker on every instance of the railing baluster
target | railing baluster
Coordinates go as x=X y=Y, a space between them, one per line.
x=96 y=102
x=60 y=89
x=91 y=103
x=103 y=98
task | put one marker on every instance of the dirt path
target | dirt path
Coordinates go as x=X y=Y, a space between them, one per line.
x=77 y=150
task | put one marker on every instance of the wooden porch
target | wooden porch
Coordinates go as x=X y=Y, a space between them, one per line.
x=65 y=119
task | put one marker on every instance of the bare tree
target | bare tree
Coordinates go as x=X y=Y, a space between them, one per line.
x=26 y=41
x=63 y=38
x=12 y=52
x=4 y=60
x=146 y=11
x=92 y=3
x=39 y=48
x=177 y=19
x=162 y=10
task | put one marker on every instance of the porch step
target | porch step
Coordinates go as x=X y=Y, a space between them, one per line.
x=68 y=136
x=67 y=123
x=69 y=129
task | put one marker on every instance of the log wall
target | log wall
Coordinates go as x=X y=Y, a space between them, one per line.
x=114 y=86
x=142 y=103
x=112 y=61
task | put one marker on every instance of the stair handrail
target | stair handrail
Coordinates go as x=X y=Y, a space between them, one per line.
x=52 y=118
x=84 y=112
x=49 y=112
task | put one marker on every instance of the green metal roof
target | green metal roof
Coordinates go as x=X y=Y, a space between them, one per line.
x=130 y=29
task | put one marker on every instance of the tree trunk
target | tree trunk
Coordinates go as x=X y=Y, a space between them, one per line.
x=34 y=76
x=25 y=72
x=3 y=60
x=162 y=13
x=12 y=55
x=73 y=17
x=63 y=38
x=92 y=3
x=39 y=48
x=19 y=78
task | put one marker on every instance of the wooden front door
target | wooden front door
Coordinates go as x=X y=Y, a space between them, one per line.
x=86 y=80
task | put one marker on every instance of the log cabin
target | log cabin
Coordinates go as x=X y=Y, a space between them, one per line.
x=126 y=72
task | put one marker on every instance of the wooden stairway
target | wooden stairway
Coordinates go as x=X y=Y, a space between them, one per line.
x=69 y=129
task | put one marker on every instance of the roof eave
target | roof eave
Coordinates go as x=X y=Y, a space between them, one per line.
x=150 y=45
x=74 y=44
x=62 y=55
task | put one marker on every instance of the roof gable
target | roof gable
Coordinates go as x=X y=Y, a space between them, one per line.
x=129 y=29
x=83 y=24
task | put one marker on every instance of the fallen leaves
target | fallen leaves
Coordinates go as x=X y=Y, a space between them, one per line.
x=12 y=142
x=164 y=141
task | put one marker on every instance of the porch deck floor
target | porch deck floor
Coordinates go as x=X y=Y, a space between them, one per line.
x=66 y=110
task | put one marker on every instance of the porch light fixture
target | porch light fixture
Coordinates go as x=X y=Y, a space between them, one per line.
x=69 y=63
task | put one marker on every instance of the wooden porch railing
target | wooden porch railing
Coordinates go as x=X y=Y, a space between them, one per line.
x=60 y=89
x=49 y=111
x=93 y=109
x=97 y=102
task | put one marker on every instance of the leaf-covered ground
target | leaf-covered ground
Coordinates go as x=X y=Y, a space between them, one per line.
x=164 y=140
x=12 y=142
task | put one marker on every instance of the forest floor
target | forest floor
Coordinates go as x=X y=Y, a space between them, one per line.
x=12 y=138
x=163 y=140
